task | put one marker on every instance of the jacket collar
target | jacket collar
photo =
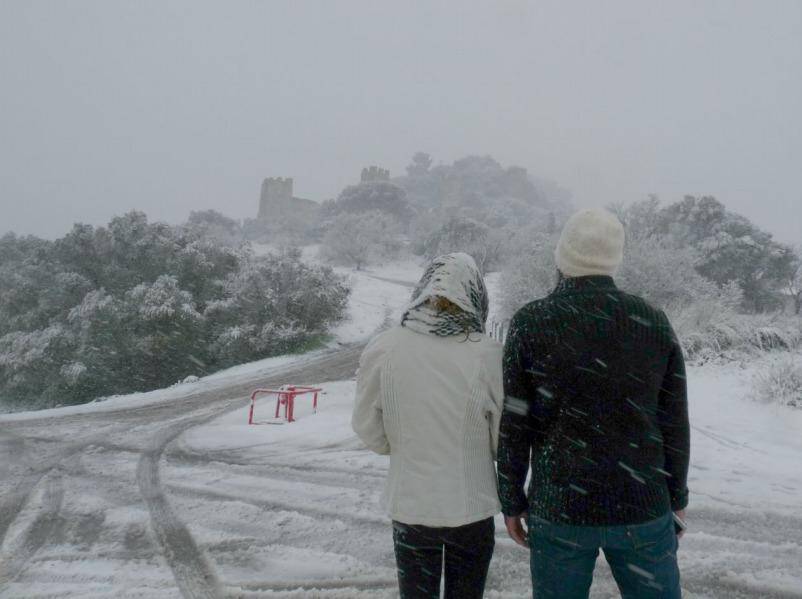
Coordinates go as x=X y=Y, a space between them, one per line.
x=587 y=283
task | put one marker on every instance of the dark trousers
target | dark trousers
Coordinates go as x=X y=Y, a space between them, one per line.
x=419 y=553
x=642 y=557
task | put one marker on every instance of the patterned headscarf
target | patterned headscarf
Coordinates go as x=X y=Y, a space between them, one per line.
x=456 y=278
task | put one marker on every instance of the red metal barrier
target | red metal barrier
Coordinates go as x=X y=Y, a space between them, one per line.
x=285 y=396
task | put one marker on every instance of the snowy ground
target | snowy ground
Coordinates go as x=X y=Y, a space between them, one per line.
x=326 y=529
x=172 y=494
x=379 y=296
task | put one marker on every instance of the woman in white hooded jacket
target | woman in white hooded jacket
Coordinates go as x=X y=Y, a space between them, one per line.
x=429 y=394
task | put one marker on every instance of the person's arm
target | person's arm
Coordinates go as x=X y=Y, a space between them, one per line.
x=495 y=389
x=366 y=419
x=674 y=425
x=515 y=432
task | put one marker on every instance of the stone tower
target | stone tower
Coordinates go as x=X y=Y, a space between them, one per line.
x=276 y=197
x=371 y=174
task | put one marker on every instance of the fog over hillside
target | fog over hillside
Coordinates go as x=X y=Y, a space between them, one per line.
x=179 y=106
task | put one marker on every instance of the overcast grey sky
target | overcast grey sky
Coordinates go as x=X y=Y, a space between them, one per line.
x=167 y=107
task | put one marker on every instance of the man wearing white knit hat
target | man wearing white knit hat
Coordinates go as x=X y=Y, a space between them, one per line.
x=595 y=395
x=592 y=243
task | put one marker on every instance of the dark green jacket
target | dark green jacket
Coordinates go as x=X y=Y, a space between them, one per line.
x=595 y=391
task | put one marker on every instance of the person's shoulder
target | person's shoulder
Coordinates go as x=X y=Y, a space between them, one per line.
x=382 y=342
x=537 y=309
x=637 y=302
x=641 y=310
x=488 y=352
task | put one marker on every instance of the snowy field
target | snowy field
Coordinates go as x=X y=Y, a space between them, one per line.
x=171 y=493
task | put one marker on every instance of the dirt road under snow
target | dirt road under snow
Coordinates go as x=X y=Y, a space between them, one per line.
x=50 y=463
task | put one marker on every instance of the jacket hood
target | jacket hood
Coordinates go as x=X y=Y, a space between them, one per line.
x=456 y=278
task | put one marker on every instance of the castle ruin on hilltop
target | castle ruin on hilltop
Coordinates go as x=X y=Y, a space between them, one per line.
x=371 y=174
x=276 y=199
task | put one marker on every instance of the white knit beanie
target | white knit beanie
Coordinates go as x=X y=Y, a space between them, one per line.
x=592 y=243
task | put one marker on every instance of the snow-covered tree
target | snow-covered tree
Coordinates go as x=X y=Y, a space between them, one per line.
x=531 y=273
x=30 y=364
x=461 y=234
x=105 y=349
x=374 y=196
x=731 y=249
x=473 y=181
x=641 y=219
x=420 y=165
x=271 y=305
x=201 y=265
x=121 y=308
x=663 y=273
x=34 y=287
x=213 y=225
x=793 y=281
x=653 y=268
x=166 y=330
x=361 y=239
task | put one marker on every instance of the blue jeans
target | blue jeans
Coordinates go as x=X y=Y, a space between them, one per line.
x=643 y=558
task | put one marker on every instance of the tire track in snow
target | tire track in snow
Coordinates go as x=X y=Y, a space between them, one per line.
x=192 y=572
x=722 y=440
x=402 y=283
x=343 y=478
x=720 y=585
x=284 y=505
x=21 y=549
x=10 y=506
x=748 y=543
x=21 y=496
x=359 y=584
x=191 y=569
x=30 y=458
x=756 y=527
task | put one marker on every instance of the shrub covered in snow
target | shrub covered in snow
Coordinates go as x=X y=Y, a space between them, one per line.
x=729 y=248
x=530 y=273
x=215 y=226
x=793 y=283
x=481 y=184
x=138 y=305
x=273 y=305
x=706 y=316
x=462 y=234
x=664 y=273
x=781 y=383
x=711 y=328
x=361 y=239
x=477 y=206
x=373 y=196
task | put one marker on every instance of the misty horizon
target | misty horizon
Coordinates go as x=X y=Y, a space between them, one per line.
x=170 y=108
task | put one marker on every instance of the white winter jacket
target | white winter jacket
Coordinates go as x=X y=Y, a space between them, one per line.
x=433 y=404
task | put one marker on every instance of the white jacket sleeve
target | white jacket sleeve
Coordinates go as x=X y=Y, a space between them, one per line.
x=367 y=419
x=495 y=386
